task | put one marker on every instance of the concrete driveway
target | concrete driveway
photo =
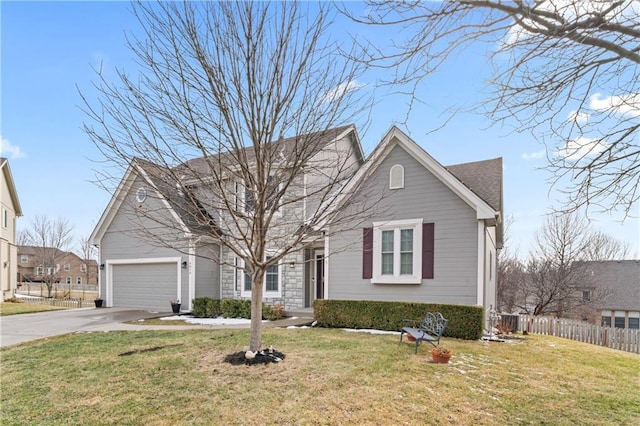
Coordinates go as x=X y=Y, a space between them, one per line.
x=22 y=328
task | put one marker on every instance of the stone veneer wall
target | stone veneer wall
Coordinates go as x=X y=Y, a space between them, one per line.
x=292 y=280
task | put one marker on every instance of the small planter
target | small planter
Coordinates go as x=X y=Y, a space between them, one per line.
x=440 y=357
x=98 y=303
x=410 y=338
x=175 y=307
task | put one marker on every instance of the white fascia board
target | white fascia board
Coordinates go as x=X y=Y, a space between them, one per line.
x=113 y=206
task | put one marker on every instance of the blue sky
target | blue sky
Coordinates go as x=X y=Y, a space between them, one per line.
x=49 y=49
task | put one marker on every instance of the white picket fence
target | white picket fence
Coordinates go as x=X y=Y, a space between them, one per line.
x=64 y=303
x=623 y=339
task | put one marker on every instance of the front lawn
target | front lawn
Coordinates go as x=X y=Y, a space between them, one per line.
x=12 y=308
x=327 y=377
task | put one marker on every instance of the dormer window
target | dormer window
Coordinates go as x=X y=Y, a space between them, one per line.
x=396 y=177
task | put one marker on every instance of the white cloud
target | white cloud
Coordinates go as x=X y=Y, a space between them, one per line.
x=12 y=151
x=624 y=105
x=582 y=147
x=534 y=155
x=341 y=90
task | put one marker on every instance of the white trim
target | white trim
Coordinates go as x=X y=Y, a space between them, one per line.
x=117 y=199
x=326 y=268
x=396 y=226
x=398 y=183
x=395 y=137
x=191 y=274
x=141 y=261
x=481 y=261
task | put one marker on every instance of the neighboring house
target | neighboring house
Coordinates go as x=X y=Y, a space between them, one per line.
x=614 y=292
x=66 y=268
x=9 y=211
x=432 y=236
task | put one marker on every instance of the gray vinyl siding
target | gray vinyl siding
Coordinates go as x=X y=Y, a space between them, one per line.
x=208 y=271
x=426 y=197
x=128 y=235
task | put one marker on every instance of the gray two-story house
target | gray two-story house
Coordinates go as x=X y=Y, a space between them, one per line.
x=399 y=226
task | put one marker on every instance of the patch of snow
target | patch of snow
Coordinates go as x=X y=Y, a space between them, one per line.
x=208 y=321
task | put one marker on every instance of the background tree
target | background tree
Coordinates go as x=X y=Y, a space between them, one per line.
x=565 y=70
x=87 y=252
x=51 y=240
x=554 y=281
x=225 y=83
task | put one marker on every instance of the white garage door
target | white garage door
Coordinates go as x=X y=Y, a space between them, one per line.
x=148 y=285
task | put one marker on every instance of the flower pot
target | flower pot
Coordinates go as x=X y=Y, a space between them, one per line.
x=410 y=338
x=440 y=358
x=175 y=307
x=98 y=303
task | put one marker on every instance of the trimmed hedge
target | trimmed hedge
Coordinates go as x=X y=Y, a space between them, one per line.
x=206 y=307
x=465 y=322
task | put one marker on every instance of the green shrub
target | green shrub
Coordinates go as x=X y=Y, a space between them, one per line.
x=234 y=308
x=213 y=308
x=199 y=307
x=465 y=322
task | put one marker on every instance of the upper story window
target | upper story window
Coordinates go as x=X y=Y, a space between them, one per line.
x=248 y=195
x=83 y=267
x=24 y=258
x=40 y=270
x=396 y=177
x=5 y=218
x=67 y=267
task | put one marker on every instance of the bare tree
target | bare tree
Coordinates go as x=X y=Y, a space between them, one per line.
x=87 y=253
x=555 y=281
x=567 y=70
x=231 y=109
x=51 y=240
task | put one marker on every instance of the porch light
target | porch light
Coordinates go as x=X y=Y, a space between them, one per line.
x=102 y=266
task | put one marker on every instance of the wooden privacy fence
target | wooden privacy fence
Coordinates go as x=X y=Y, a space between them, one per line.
x=64 y=303
x=624 y=339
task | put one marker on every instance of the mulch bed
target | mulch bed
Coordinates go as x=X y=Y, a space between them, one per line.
x=265 y=356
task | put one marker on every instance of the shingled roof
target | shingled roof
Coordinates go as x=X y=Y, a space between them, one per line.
x=285 y=146
x=621 y=278
x=484 y=178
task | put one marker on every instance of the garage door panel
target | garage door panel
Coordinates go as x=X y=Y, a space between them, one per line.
x=149 y=285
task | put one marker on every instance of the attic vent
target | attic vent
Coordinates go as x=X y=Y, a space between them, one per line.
x=396 y=177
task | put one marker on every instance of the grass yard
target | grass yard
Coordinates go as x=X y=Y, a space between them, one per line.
x=11 y=308
x=327 y=377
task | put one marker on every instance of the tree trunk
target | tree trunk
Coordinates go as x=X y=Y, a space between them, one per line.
x=256 y=310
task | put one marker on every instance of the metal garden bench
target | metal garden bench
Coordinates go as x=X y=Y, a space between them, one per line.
x=430 y=329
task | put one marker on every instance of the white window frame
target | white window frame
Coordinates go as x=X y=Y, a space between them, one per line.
x=67 y=267
x=68 y=281
x=243 y=196
x=24 y=258
x=79 y=280
x=396 y=177
x=83 y=267
x=416 y=276
x=265 y=293
x=39 y=271
x=5 y=218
